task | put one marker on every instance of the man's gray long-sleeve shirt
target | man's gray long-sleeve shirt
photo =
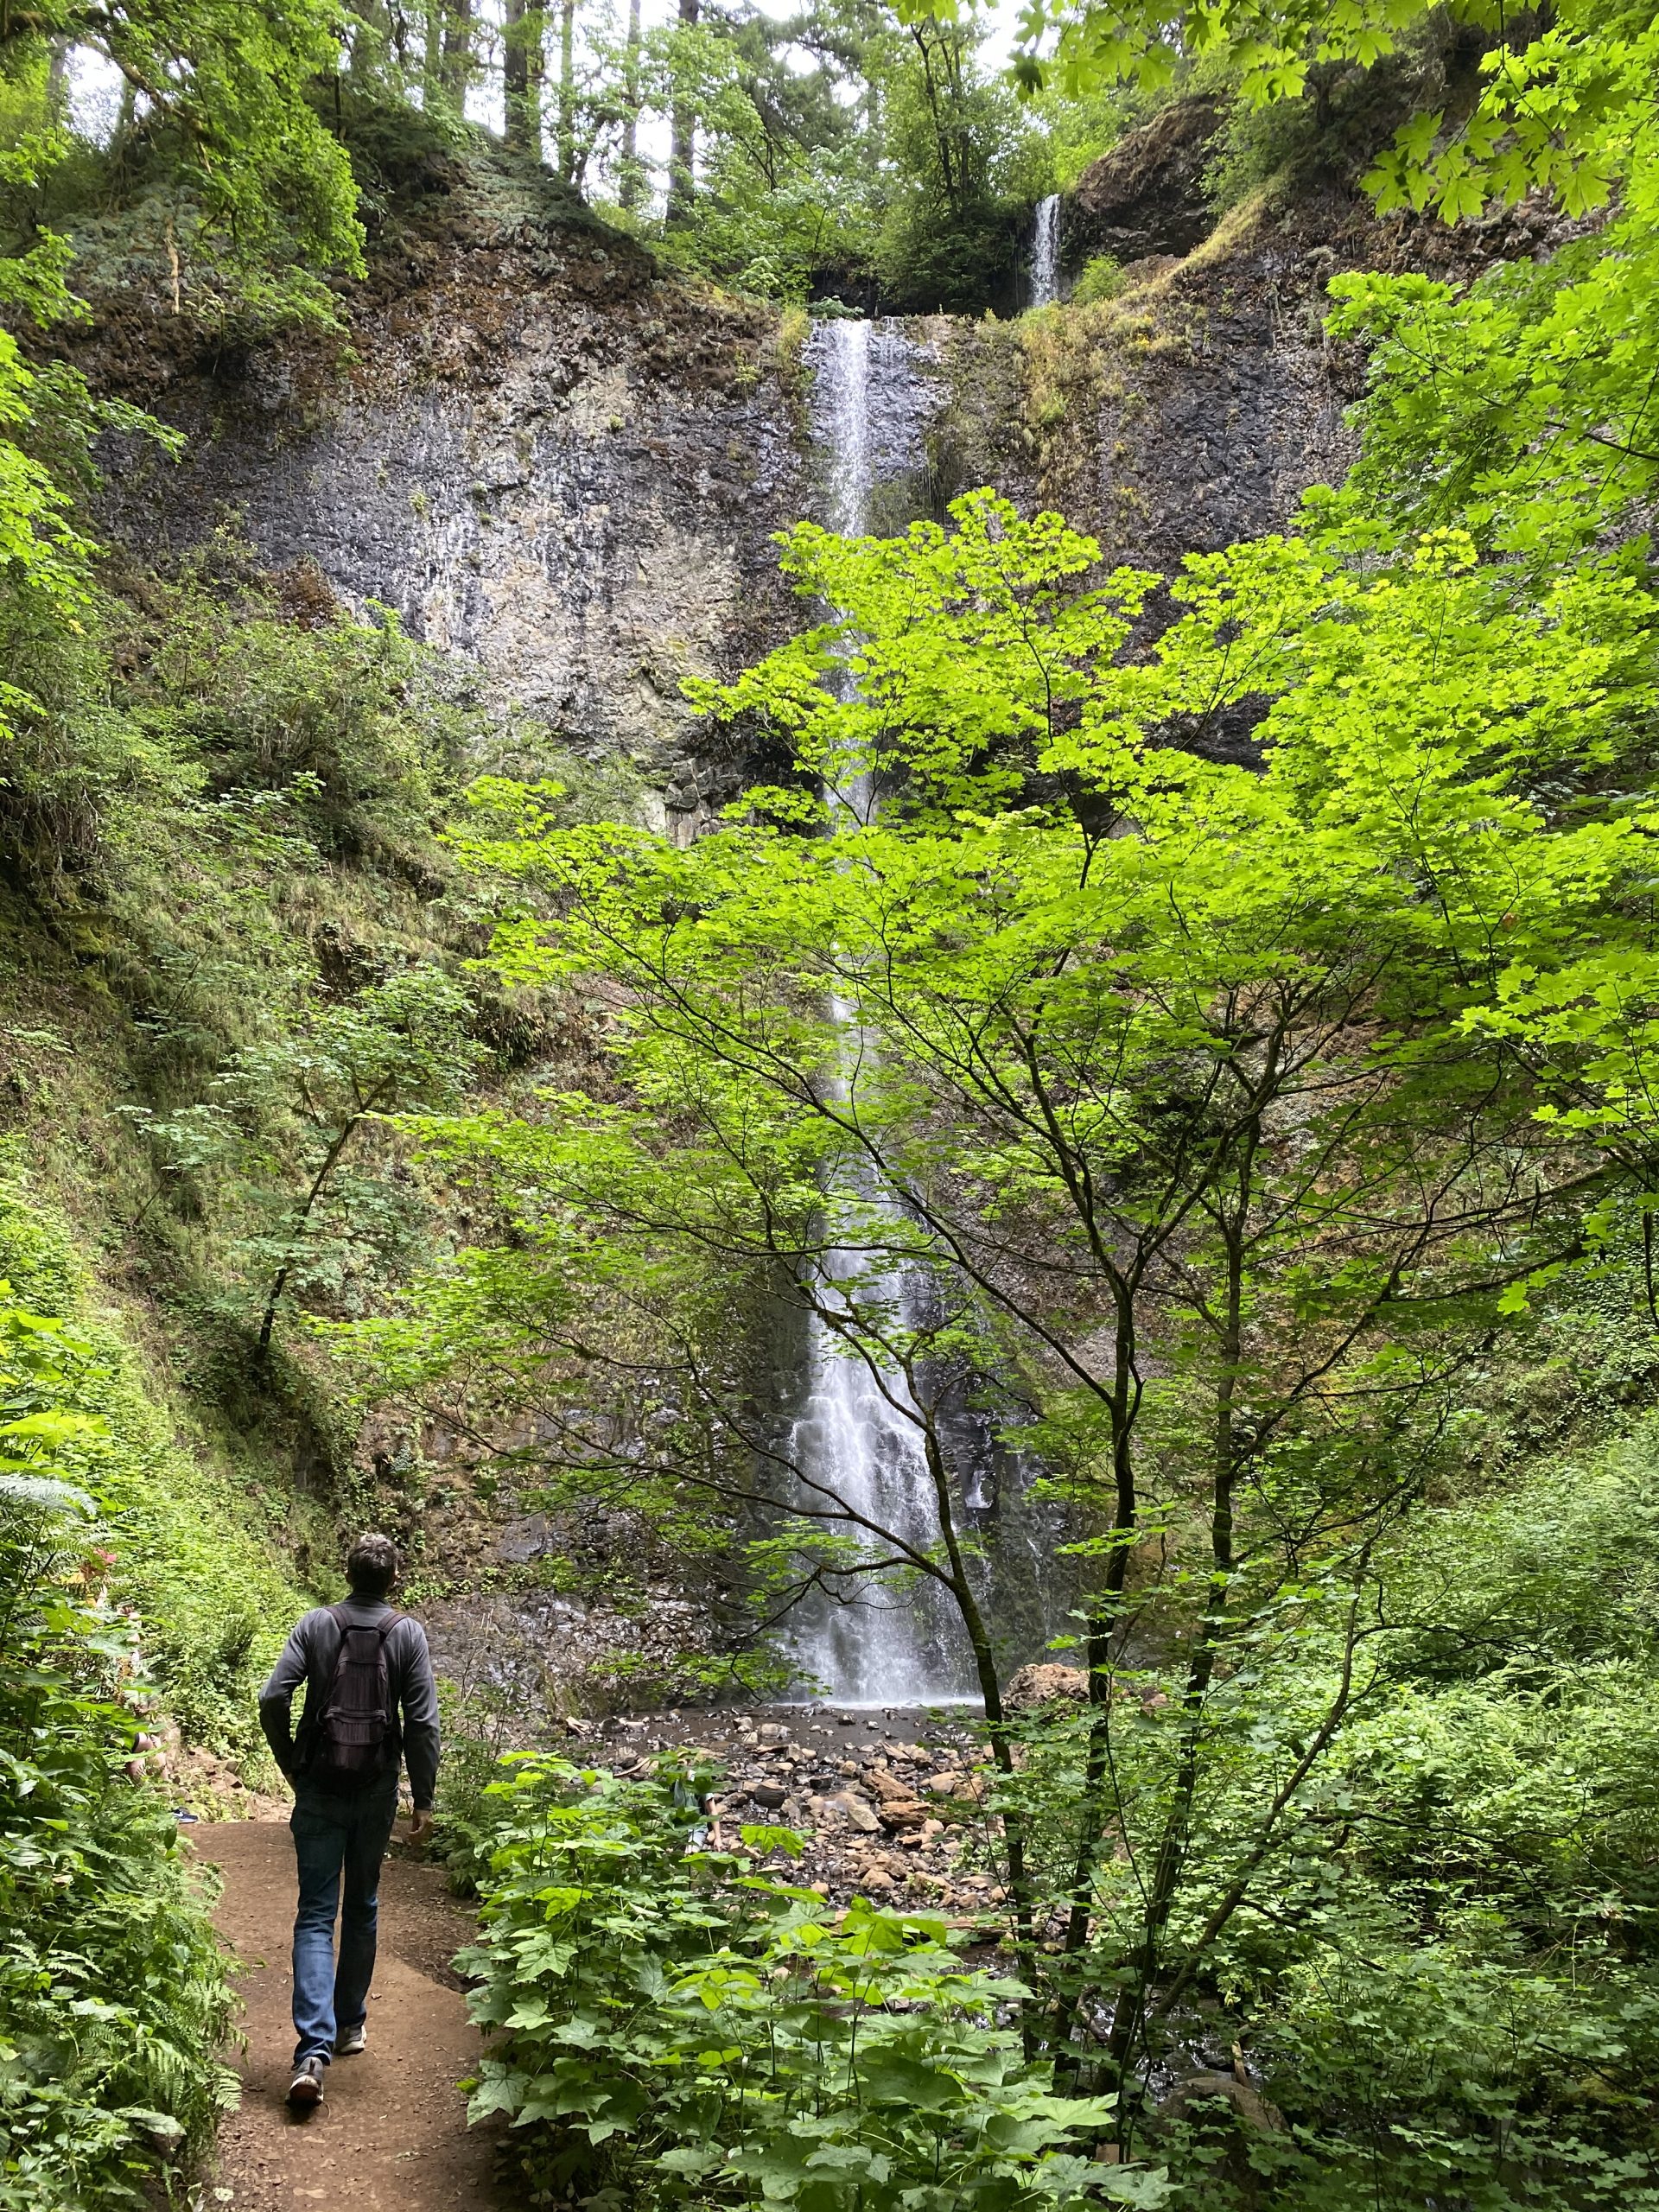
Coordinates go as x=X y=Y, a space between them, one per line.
x=308 y=1656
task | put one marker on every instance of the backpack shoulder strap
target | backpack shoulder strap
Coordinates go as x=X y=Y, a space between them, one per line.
x=382 y=1628
x=394 y=1677
x=337 y=1614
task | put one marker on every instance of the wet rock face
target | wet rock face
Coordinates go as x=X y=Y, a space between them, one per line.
x=1188 y=414
x=1213 y=439
x=528 y=1654
x=546 y=460
x=1193 y=411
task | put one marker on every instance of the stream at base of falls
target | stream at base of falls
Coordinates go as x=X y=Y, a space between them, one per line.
x=895 y=1641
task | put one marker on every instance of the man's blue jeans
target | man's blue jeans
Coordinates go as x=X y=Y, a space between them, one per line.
x=339 y=1841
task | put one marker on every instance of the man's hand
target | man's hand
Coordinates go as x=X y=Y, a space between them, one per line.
x=420 y=1826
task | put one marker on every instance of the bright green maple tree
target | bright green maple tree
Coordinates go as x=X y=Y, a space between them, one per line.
x=1178 y=1081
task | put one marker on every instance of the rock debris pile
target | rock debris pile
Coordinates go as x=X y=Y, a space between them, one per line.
x=888 y=1805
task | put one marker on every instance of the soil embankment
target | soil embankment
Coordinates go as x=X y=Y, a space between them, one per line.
x=392 y=2134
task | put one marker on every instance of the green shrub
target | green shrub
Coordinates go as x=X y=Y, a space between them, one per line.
x=672 y=2028
x=227 y=705
x=112 y=1990
x=1458 y=2073
x=1449 y=1981
x=1103 y=279
x=73 y=755
x=212 y=1606
x=343 y=715
x=1334 y=127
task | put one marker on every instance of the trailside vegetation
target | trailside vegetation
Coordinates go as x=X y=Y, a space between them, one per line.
x=697 y=2029
x=113 y=1991
x=225 y=951
x=137 y=1584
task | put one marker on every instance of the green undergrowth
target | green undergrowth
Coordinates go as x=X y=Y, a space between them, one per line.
x=222 y=833
x=199 y=1553
x=1444 y=1985
x=235 y=942
x=671 y=2027
x=113 y=1992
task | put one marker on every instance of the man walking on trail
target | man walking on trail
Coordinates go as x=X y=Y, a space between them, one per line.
x=369 y=1705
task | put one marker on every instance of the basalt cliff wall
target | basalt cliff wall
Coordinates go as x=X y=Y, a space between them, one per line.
x=548 y=459
x=567 y=468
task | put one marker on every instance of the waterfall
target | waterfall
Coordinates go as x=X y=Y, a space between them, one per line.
x=840 y=354
x=893 y=1645
x=1045 y=252
x=872 y=402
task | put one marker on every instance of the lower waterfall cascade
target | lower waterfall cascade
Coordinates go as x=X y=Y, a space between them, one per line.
x=889 y=1644
x=851 y=1432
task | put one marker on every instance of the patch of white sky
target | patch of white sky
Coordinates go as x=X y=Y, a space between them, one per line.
x=485 y=105
x=95 y=84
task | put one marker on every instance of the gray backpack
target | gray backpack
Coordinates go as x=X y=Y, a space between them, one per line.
x=355 y=1741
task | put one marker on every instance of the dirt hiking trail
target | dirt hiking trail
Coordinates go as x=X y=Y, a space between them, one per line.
x=392 y=2134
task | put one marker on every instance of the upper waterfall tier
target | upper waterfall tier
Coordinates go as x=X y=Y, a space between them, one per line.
x=875 y=396
x=1045 y=252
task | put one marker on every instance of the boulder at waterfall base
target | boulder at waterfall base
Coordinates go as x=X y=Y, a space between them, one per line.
x=1046 y=1683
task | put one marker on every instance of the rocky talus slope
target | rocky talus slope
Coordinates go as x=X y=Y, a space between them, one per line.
x=885 y=1803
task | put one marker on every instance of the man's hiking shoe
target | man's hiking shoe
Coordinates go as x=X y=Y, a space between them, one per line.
x=306 y=2088
x=352 y=2042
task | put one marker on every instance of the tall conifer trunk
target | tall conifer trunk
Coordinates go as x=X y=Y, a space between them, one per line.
x=432 y=56
x=682 y=159
x=457 y=70
x=523 y=31
x=629 y=193
x=568 y=90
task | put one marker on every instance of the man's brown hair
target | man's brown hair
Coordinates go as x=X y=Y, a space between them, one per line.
x=371 y=1565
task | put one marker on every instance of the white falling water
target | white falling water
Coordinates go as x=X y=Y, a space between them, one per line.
x=1045 y=252
x=889 y=1644
x=840 y=352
